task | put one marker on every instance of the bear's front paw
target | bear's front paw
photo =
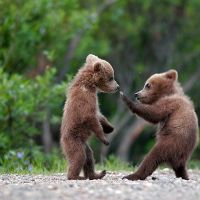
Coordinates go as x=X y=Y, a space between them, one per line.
x=123 y=97
x=121 y=94
x=108 y=129
x=105 y=141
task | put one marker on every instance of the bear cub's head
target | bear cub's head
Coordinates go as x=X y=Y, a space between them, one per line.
x=103 y=74
x=157 y=86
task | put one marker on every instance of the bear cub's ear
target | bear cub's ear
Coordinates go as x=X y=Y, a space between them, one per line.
x=91 y=58
x=97 y=67
x=171 y=74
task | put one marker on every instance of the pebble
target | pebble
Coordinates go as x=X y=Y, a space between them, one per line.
x=52 y=187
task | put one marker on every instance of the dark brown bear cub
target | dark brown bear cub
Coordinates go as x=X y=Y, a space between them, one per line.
x=163 y=102
x=82 y=117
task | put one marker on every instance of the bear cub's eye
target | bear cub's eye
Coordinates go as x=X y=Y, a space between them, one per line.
x=148 y=86
x=111 y=79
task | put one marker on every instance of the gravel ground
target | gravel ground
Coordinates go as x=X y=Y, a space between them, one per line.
x=112 y=187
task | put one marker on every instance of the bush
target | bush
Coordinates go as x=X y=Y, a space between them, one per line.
x=32 y=161
x=23 y=105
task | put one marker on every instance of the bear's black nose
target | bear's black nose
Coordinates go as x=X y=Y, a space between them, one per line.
x=136 y=95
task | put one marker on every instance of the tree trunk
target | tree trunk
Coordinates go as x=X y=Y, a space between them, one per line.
x=47 y=139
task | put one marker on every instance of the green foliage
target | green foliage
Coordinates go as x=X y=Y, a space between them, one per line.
x=23 y=107
x=112 y=163
x=32 y=161
x=28 y=28
x=36 y=162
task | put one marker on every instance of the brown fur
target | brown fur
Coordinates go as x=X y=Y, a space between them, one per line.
x=163 y=102
x=82 y=117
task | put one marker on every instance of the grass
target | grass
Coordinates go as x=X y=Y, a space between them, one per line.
x=40 y=163
x=114 y=164
x=32 y=162
x=52 y=163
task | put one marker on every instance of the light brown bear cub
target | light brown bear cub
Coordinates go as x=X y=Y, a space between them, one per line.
x=163 y=102
x=82 y=117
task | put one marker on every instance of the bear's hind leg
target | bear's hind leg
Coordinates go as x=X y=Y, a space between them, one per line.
x=181 y=172
x=149 y=164
x=88 y=168
x=76 y=159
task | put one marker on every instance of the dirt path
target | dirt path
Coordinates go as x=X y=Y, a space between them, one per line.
x=112 y=187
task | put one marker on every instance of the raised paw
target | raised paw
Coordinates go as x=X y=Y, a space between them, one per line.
x=105 y=141
x=123 y=97
x=121 y=94
x=108 y=129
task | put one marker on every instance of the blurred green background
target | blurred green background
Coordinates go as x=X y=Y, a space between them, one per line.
x=44 y=42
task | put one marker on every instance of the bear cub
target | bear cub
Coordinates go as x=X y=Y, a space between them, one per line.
x=82 y=116
x=163 y=102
